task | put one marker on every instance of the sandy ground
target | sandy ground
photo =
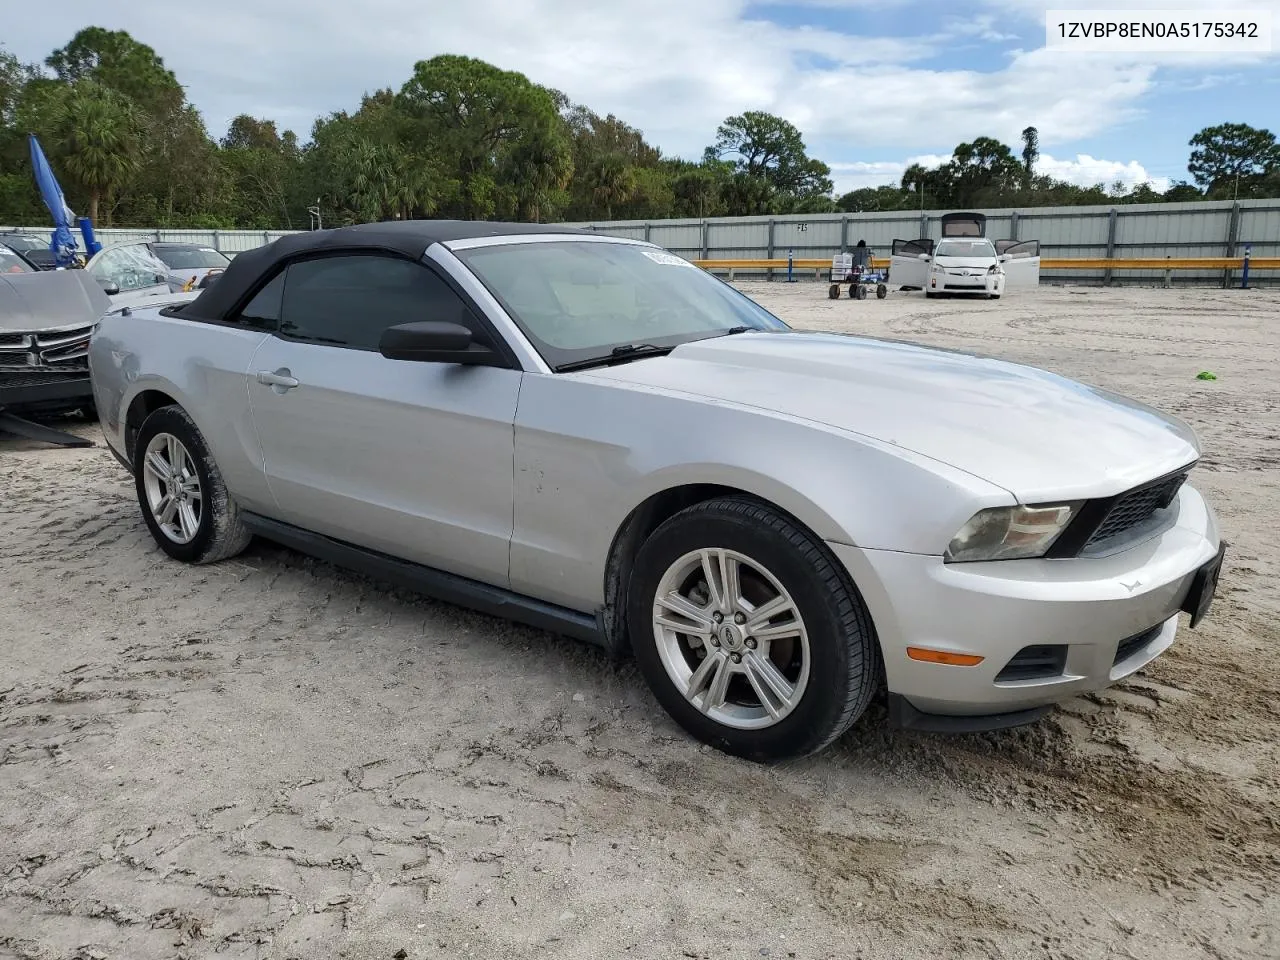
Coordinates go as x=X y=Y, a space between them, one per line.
x=271 y=758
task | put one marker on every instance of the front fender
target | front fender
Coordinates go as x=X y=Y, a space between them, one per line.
x=588 y=453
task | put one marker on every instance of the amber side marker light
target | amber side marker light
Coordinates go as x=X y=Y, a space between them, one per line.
x=943 y=657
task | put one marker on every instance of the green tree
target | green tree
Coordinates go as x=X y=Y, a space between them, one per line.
x=770 y=150
x=260 y=165
x=1030 y=154
x=869 y=199
x=695 y=187
x=538 y=169
x=115 y=60
x=611 y=182
x=1181 y=192
x=1232 y=157
x=364 y=167
x=472 y=116
x=98 y=132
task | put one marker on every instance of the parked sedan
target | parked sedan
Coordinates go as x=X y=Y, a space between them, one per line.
x=594 y=436
x=192 y=266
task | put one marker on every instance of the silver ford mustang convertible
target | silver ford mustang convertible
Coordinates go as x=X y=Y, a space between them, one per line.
x=595 y=437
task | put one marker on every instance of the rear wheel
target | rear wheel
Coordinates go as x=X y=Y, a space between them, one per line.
x=184 y=500
x=749 y=632
x=881 y=291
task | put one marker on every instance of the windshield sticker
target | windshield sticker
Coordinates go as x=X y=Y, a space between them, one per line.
x=666 y=258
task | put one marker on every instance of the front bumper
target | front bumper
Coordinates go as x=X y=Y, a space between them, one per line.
x=40 y=388
x=984 y=283
x=1106 y=616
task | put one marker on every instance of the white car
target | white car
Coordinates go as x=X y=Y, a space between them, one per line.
x=965 y=265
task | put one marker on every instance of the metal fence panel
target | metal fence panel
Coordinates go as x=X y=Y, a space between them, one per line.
x=1195 y=229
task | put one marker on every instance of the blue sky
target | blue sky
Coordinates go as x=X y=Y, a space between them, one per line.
x=872 y=84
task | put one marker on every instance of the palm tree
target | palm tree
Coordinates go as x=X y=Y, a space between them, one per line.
x=98 y=132
x=539 y=167
x=611 y=181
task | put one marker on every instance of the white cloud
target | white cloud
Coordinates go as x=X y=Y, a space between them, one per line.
x=673 y=68
x=1083 y=171
x=1086 y=171
x=675 y=72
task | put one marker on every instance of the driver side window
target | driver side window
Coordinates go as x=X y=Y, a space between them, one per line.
x=348 y=301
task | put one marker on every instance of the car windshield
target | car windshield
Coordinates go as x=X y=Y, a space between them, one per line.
x=190 y=258
x=579 y=300
x=965 y=248
x=10 y=262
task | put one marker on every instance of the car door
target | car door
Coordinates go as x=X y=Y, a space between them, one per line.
x=1021 y=262
x=909 y=263
x=412 y=459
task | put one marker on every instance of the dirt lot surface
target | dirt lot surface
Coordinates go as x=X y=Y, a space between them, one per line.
x=272 y=758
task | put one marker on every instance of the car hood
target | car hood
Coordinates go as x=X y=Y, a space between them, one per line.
x=49 y=300
x=1034 y=433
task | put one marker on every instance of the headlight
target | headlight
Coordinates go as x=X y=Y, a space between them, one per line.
x=993 y=268
x=1010 y=533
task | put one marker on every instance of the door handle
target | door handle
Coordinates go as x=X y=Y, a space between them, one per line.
x=280 y=378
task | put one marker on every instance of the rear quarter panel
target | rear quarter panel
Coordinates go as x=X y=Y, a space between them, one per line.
x=203 y=367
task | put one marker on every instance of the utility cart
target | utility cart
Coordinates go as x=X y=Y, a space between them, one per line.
x=854 y=269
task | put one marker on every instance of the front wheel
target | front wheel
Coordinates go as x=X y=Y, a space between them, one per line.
x=184 y=500
x=749 y=632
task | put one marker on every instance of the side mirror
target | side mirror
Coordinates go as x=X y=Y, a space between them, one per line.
x=1003 y=257
x=111 y=288
x=433 y=341
x=924 y=256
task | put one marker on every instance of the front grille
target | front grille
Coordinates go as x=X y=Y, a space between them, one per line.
x=1035 y=663
x=1128 y=647
x=46 y=349
x=1136 y=508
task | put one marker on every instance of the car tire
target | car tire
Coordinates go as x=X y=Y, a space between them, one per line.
x=881 y=291
x=820 y=640
x=190 y=514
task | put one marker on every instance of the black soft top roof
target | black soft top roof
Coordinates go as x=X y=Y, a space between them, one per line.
x=409 y=238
